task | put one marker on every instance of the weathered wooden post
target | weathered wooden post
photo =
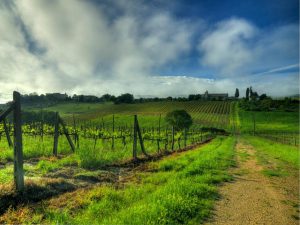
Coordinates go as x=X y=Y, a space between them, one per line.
x=173 y=134
x=134 y=153
x=10 y=144
x=42 y=125
x=113 y=135
x=185 y=136
x=158 y=140
x=253 y=116
x=56 y=134
x=75 y=130
x=18 y=146
x=140 y=137
x=66 y=133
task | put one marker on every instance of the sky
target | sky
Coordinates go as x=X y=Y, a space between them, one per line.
x=149 y=48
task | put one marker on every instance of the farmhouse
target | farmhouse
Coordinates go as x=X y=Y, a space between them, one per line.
x=215 y=96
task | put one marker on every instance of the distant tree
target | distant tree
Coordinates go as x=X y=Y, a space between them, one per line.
x=169 y=98
x=180 y=119
x=124 y=98
x=247 y=93
x=262 y=97
x=194 y=97
x=107 y=97
x=237 y=93
x=250 y=92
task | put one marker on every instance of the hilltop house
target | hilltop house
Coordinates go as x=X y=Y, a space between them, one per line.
x=215 y=96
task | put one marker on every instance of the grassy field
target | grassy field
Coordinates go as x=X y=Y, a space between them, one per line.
x=285 y=153
x=179 y=189
x=269 y=121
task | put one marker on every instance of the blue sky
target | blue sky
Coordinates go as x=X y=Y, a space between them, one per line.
x=156 y=48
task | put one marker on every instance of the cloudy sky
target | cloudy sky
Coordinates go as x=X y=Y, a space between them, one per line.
x=149 y=48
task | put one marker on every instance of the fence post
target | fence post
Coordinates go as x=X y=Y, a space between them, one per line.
x=134 y=154
x=10 y=144
x=140 y=136
x=113 y=131
x=253 y=116
x=173 y=134
x=18 y=146
x=66 y=133
x=56 y=134
x=158 y=140
x=185 y=137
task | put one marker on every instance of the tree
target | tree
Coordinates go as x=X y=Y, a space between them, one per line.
x=180 y=119
x=247 y=93
x=254 y=96
x=263 y=96
x=124 y=98
x=237 y=93
x=251 y=92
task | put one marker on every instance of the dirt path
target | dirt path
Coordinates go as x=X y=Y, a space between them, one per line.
x=251 y=198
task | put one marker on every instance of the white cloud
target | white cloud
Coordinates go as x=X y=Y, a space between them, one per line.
x=225 y=48
x=236 y=47
x=76 y=43
x=80 y=47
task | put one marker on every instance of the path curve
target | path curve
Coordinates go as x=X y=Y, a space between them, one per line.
x=251 y=198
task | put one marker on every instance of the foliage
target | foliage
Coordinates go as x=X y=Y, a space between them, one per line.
x=179 y=119
x=237 y=93
x=124 y=98
x=265 y=103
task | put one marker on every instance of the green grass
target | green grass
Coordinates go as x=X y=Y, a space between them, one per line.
x=6 y=174
x=179 y=189
x=280 y=152
x=269 y=122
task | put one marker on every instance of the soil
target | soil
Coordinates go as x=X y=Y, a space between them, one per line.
x=253 y=198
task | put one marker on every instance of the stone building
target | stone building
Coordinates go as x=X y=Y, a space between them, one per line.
x=215 y=96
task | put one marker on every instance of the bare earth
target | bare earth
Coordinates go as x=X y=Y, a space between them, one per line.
x=252 y=198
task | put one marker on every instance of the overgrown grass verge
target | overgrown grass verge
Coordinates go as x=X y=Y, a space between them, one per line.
x=273 y=150
x=179 y=189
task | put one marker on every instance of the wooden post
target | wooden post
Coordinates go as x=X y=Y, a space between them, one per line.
x=134 y=152
x=185 y=136
x=173 y=134
x=140 y=137
x=66 y=134
x=253 y=116
x=75 y=130
x=18 y=145
x=42 y=125
x=113 y=131
x=167 y=139
x=10 y=144
x=158 y=140
x=56 y=134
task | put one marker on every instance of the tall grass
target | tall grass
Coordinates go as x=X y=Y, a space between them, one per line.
x=179 y=190
x=269 y=121
x=286 y=153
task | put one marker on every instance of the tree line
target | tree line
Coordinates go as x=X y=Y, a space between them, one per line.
x=255 y=102
x=53 y=98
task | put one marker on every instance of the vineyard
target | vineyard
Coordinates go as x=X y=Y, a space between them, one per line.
x=109 y=138
x=105 y=147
